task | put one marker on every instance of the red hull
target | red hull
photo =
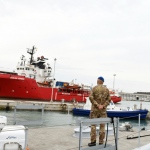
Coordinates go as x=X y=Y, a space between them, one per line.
x=116 y=99
x=20 y=87
x=13 y=86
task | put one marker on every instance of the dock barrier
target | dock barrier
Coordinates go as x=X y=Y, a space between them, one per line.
x=29 y=107
x=98 y=121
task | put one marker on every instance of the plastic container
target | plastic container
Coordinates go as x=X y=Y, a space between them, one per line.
x=3 y=121
x=13 y=137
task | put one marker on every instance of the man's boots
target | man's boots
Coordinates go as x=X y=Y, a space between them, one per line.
x=92 y=144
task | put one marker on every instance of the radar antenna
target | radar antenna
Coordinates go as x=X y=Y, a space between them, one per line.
x=31 y=52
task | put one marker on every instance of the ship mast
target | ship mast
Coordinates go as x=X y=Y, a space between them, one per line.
x=31 y=52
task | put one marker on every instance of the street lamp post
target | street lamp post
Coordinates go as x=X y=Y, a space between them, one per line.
x=53 y=80
x=114 y=82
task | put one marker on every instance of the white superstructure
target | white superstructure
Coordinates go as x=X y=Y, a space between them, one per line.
x=34 y=68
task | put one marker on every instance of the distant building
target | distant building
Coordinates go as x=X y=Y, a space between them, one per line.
x=143 y=93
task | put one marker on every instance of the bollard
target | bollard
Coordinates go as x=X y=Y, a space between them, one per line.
x=7 y=107
x=62 y=100
x=140 y=105
x=135 y=107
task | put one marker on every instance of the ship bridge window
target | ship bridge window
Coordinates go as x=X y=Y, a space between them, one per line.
x=21 y=68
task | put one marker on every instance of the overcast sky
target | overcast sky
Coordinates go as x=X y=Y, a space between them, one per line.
x=89 y=38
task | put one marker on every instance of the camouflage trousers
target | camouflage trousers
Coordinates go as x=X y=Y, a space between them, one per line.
x=101 y=129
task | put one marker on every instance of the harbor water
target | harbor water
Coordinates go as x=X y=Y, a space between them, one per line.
x=59 y=118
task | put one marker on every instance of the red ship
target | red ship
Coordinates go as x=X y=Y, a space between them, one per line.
x=115 y=96
x=33 y=81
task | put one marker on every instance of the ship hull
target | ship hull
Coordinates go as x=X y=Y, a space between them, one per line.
x=20 y=87
x=116 y=99
x=113 y=113
x=13 y=86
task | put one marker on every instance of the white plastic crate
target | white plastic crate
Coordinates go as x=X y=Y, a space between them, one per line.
x=11 y=137
x=3 y=121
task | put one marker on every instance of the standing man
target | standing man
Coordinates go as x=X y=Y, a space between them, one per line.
x=100 y=99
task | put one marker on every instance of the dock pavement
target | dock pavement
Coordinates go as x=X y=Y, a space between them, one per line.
x=61 y=138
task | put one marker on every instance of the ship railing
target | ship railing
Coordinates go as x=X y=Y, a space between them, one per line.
x=29 y=107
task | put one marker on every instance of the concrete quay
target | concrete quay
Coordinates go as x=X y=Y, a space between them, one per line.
x=61 y=138
x=51 y=105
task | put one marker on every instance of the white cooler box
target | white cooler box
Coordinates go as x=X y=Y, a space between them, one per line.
x=13 y=137
x=3 y=121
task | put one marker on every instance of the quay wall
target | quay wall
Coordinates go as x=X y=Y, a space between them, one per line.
x=48 y=106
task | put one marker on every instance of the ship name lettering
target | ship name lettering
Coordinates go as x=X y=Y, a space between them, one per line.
x=16 y=78
x=66 y=93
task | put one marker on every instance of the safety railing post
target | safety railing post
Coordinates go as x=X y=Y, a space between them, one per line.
x=68 y=114
x=26 y=138
x=117 y=131
x=42 y=112
x=68 y=109
x=14 y=122
x=80 y=136
x=139 y=131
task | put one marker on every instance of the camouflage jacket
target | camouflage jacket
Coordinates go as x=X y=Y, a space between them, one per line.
x=99 y=96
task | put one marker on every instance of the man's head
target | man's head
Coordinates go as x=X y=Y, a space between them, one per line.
x=100 y=80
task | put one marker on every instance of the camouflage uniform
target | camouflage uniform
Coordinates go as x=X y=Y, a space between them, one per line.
x=99 y=96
